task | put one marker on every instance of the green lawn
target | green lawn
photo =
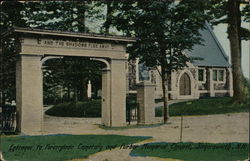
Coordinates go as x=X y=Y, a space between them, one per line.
x=194 y=151
x=206 y=106
x=61 y=147
x=91 y=108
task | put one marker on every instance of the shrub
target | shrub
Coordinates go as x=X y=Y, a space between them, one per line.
x=90 y=108
x=157 y=100
x=80 y=109
x=158 y=111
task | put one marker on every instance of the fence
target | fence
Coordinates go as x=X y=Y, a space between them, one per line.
x=7 y=119
x=131 y=112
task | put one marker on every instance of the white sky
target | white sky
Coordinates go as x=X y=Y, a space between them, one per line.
x=221 y=33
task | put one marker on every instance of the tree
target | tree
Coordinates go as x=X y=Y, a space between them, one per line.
x=233 y=32
x=52 y=15
x=76 y=72
x=229 y=12
x=164 y=31
x=71 y=74
x=10 y=16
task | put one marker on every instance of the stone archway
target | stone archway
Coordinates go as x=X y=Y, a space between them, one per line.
x=35 y=45
x=185 y=85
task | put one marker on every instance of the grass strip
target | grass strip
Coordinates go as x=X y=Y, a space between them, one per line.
x=194 y=151
x=61 y=147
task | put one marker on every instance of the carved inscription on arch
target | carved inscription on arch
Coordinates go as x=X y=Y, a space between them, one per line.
x=73 y=44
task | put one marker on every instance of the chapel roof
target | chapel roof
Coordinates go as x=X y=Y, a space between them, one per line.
x=211 y=52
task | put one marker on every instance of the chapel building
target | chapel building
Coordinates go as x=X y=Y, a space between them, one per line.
x=210 y=76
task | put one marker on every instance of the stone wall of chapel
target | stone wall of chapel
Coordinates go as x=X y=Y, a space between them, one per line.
x=193 y=71
x=220 y=86
x=224 y=84
x=204 y=85
x=199 y=87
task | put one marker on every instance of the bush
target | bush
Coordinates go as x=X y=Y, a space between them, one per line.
x=158 y=111
x=80 y=109
x=90 y=108
x=157 y=100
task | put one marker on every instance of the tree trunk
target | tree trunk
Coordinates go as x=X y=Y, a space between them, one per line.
x=108 y=17
x=239 y=24
x=239 y=31
x=75 y=94
x=3 y=98
x=233 y=32
x=164 y=81
x=68 y=93
x=81 y=16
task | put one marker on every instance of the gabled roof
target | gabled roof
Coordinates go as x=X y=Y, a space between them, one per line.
x=211 y=51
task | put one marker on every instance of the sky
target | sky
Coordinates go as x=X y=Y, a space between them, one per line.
x=221 y=34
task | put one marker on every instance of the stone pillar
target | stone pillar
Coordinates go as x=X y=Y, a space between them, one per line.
x=145 y=98
x=230 y=82
x=29 y=95
x=106 y=110
x=118 y=92
x=211 y=83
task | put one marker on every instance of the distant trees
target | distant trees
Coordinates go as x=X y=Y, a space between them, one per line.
x=53 y=15
x=164 y=31
x=69 y=75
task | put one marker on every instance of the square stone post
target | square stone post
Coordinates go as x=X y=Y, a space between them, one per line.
x=29 y=95
x=106 y=110
x=118 y=92
x=211 y=83
x=145 y=98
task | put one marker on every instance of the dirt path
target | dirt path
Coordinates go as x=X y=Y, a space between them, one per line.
x=212 y=128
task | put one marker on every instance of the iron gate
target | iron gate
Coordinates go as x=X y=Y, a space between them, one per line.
x=7 y=118
x=131 y=111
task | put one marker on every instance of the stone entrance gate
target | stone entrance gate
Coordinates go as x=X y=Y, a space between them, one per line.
x=36 y=46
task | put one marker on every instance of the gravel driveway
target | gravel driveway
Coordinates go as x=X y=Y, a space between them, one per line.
x=233 y=127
